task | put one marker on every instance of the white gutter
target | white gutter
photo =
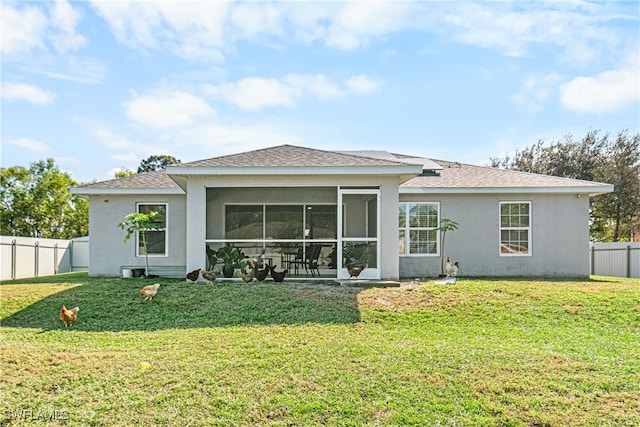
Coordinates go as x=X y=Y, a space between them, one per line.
x=125 y=191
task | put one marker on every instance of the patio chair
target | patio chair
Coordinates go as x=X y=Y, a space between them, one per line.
x=294 y=261
x=311 y=259
x=308 y=259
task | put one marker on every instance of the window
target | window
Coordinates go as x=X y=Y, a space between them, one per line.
x=156 y=238
x=418 y=222
x=280 y=222
x=515 y=228
x=243 y=222
x=321 y=222
x=283 y=221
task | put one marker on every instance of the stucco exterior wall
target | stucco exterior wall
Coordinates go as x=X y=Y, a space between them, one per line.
x=559 y=237
x=108 y=251
x=390 y=267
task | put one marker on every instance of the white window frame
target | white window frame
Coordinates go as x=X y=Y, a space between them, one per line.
x=528 y=228
x=166 y=230
x=407 y=230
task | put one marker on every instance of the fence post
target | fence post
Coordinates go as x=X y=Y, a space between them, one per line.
x=70 y=248
x=55 y=258
x=36 y=247
x=13 y=259
x=593 y=259
x=628 y=260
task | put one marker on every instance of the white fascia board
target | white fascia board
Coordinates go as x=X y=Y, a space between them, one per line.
x=125 y=191
x=313 y=170
x=590 y=190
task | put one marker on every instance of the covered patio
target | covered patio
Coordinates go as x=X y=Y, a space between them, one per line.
x=297 y=229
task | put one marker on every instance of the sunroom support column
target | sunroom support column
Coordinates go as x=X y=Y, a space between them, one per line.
x=196 y=224
x=389 y=200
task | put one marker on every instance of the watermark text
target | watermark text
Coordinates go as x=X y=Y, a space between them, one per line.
x=31 y=414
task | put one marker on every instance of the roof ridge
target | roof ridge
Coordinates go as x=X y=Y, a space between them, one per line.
x=400 y=162
x=297 y=147
x=291 y=156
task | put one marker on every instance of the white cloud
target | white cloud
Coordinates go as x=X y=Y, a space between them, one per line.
x=536 y=91
x=193 y=30
x=213 y=28
x=362 y=85
x=83 y=70
x=196 y=141
x=22 y=29
x=357 y=22
x=125 y=150
x=257 y=93
x=65 y=19
x=25 y=28
x=254 y=19
x=491 y=27
x=26 y=92
x=319 y=85
x=201 y=31
x=30 y=145
x=603 y=92
x=108 y=138
x=581 y=32
x=233 y=137
x=166 y=110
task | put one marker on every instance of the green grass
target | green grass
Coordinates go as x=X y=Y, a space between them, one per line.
x=485 y=352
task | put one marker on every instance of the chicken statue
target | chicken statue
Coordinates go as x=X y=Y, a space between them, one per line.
x=148 y=292
x=69 y=316
x=454 y=270
x=451 y=269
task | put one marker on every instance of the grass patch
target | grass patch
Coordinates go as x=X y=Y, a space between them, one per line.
x=482 y=352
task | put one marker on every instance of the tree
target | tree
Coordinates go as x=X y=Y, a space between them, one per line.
x=123 y=173
x=568 y=159
x=616 y=215
x=37 y=202
x=155 y=163
x=445 y=225
x=141 y=222
x=595 y=158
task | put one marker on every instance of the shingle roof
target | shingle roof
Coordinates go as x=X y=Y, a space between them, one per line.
x=290 y=156
x=459 y=176
x=147 y=181
x=453 y=176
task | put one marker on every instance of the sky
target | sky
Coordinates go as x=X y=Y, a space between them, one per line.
x=100 y=86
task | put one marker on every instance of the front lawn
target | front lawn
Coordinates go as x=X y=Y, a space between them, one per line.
x=483 y=352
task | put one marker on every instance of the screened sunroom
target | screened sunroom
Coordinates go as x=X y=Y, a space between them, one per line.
x=297 y=228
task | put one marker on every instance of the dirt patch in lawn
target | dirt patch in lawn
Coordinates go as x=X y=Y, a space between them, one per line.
x=408 y=297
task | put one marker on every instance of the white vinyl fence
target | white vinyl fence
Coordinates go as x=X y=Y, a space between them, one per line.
x=621 y=259
x=24 y=257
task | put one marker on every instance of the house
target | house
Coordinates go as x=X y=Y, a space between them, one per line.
x=375 y=208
